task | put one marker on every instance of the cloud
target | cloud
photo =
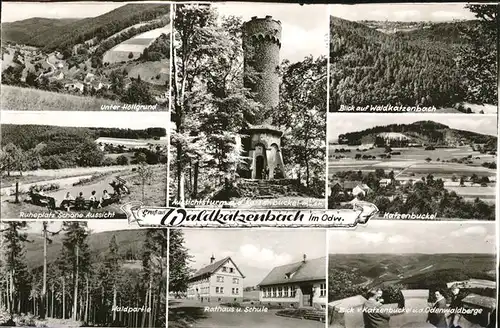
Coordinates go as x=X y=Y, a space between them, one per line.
x=261 y=257
x=472 y=230
x=372 y=237
x=399 y=239
x=407 y=15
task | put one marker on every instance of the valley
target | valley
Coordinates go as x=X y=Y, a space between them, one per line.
x=129 y=63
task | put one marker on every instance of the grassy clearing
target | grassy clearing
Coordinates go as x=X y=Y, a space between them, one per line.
x=17 y=98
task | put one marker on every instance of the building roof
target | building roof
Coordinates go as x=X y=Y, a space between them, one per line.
x=211 y=268
x=308 y=270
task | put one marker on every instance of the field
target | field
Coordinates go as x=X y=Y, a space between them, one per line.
x=135 y=45
x=16 y=98
x=132 y=143
x=412 y=161
x=153 y=72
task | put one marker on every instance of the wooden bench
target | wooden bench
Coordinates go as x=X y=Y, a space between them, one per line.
x=42 y=200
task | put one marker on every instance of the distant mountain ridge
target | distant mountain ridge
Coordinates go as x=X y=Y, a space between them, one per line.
x=130 y=242
x=423 y=132
x=60 y=34
x=415 y=270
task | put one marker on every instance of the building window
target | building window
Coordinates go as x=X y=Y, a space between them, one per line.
x=293 y=292
x=217 y=289
x=237 y=290
x=222 y=290
x=285 y=291
x=232 y=291
x=322 y=290
x=231 y=270
x=280 y=291
x=236 y=280
x=274 y=292
x=224 y=269
x=220 y=279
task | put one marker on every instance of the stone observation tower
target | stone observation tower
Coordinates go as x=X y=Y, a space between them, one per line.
x=261 y=46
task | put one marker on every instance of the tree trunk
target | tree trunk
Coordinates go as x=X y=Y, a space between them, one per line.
x=75 y=288
x=44 y=283
x=144 y=313
x=52 y=302
x=86 y=317
x=181 y=186
x=150 y=302
x=195 y=179
x=64 y=299
x=114 y=302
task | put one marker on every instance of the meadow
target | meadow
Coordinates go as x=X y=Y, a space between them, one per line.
x=134 y=46
x=17 y=98
x=412 y=162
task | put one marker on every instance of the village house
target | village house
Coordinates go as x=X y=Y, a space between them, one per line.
x=74 y=86
x=59 y=76
x=220 y=281
x=361 y=189
x=385 y=182
x=344 y=187
x=299 y=284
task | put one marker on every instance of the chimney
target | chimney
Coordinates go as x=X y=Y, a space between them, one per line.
x=305 y=257
x=212 y=259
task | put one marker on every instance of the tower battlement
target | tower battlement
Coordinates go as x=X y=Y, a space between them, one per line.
x=263 y=29
x=261 y=48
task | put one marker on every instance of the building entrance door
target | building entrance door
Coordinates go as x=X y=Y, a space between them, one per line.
x=259 y=167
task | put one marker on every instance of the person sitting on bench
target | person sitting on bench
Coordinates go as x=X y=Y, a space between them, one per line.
x=105 y=199
x=80 y=202
x=68 y=200
x=94 y=203
x=51 y=200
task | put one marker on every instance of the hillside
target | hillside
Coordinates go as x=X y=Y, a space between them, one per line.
x=381 y=63
x=61 y=35
x=421 y=132
x=24 y=31
x=416 y=271
x=29 y=136
x=129 y=246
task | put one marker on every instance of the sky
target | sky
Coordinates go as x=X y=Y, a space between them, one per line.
x=340 y=123
x=258 y=248
x=14 y=11
x=402 y=12
x=304 y=28
x=96 y=119
x=402 y=237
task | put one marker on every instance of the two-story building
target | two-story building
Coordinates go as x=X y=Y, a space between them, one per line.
x=299 y=284
x=220 y=281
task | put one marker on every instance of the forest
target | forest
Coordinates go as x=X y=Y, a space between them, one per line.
x=75 y=277
x=445 y=65
x=63 y=35
x=211 y=106
x=427 y=132
x=427 y=196
x=31 y=147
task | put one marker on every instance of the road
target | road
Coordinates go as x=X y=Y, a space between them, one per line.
x=194 y=313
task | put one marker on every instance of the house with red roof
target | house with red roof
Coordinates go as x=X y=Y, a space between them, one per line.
x=299 y=284
x=220 y=281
